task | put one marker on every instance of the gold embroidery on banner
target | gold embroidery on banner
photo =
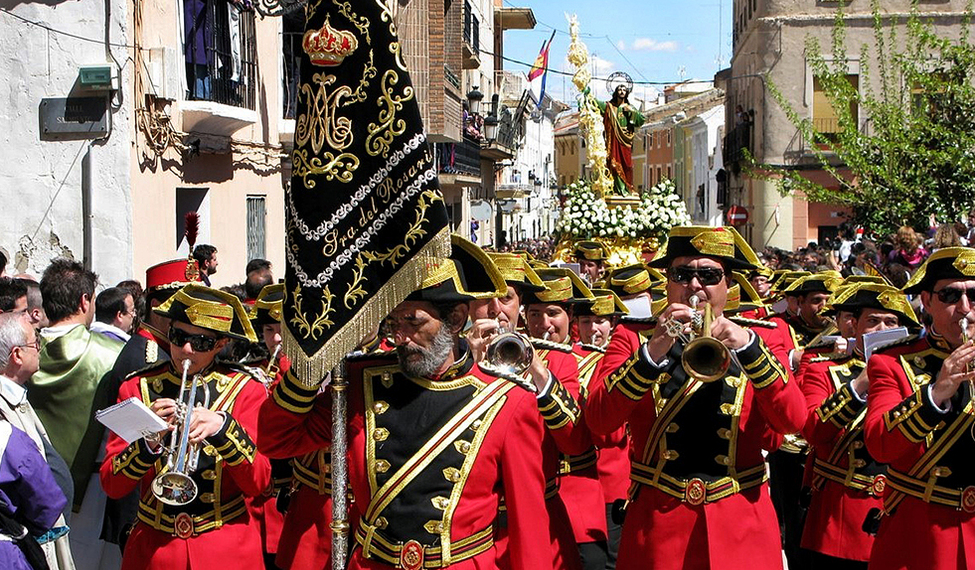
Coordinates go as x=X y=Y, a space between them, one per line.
x=323 y=124
x=394 y=47
x=381 y=136
x=332 y=167
x=315 y=328
x=393 y=255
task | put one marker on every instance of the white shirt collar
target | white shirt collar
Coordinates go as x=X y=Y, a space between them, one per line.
x=51 y=333
x=12 y=392
x=100 y=327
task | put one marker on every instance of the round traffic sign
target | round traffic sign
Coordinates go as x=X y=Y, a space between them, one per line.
x=737 y=215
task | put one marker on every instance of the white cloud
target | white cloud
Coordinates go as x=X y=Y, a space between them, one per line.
x=650 y=44
x=621 y=45
x=603 y=66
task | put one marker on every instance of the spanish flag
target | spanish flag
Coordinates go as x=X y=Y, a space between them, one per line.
x=541 y=62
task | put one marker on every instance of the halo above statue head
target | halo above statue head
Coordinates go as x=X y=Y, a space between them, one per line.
x=616 y=79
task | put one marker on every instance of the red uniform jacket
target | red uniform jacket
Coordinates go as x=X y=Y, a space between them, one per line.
x=698 y=498
x=930 y=496
x=216 y=527
x=846 y=482
x=476 y=439
x=613 y=463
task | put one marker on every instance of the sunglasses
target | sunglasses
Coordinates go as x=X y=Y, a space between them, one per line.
x=951 y=295
x=705 y=275
x=198 y=342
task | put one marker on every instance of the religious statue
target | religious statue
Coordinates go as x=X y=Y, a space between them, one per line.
x=620 y=122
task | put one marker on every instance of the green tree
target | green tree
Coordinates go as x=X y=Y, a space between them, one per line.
x=914 y=156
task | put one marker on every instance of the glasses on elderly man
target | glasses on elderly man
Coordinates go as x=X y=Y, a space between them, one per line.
x=706 y=276
x=36 y=345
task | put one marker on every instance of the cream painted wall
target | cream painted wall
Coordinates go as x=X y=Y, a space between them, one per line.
x=230 y=178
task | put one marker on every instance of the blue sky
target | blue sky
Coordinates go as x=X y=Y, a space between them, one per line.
x=652 y=41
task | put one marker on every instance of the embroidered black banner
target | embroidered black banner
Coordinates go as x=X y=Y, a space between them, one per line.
x=364 y=214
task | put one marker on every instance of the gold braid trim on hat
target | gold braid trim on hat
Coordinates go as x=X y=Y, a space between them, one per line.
x=965 y=263
x=734 y=298
x=210 y=315
x=718 y=242
x=603 y=305
x=557 y=290
x=514 y=267
x=633 y=284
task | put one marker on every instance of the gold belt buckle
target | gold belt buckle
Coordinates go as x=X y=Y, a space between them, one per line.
x=411 y=557
x=878 y=486
x=696 y=491
x=183 y=525
x=968 y=499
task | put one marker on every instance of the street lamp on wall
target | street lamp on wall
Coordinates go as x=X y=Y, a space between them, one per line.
x=491 y=127
x=474 y=99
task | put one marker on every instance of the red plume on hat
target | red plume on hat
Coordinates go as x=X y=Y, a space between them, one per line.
x=192 y=229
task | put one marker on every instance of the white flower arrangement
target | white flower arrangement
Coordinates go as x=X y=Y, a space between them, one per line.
x=584 y=216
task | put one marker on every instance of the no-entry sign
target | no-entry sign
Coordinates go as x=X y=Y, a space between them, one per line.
x=737 y=215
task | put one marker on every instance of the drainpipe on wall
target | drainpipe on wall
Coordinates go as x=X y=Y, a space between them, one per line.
x=86 y=216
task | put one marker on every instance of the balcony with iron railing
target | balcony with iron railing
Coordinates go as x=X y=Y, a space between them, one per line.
x=736 y=143
x=221 y=67
x=472 y=41
x=462 y=160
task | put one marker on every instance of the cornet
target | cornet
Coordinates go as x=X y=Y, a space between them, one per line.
x=510 y=352
x=705 y=358
x=173 y=485
x=272 y=364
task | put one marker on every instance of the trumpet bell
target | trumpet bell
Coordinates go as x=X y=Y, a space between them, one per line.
x=706 y=359
x=174 y=488
x=510 y=352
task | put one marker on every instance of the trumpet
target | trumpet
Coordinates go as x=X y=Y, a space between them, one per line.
x=830 y=329
x=174 y=486
x=272 y=364
x=705 y=358
x=509 y=352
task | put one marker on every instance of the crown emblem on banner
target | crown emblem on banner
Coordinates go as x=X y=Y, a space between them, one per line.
x=328 y=47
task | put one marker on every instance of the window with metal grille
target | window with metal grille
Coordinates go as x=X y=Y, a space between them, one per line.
x=293 y=26
x=255 y=227
x=220 y=51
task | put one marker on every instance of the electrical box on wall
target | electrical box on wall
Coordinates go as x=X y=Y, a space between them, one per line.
x=97 y=78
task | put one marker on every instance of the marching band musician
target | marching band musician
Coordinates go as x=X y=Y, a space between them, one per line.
x=699 y=498
x=554 y=372
x=265 y=316
x=846 y=481
x=637 y=282
x=597 y=325
x=787 y=465
x=435 y=442
x=148 y=346
x=549 y=316
x=919 y=421
x=592 y=257
x=214 y=527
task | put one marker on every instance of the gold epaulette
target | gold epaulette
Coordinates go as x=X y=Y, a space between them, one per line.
x=752 y=322
x=541 y=344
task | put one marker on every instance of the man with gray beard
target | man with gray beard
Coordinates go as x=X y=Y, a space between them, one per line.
x=435 y=441
x=418 y=361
